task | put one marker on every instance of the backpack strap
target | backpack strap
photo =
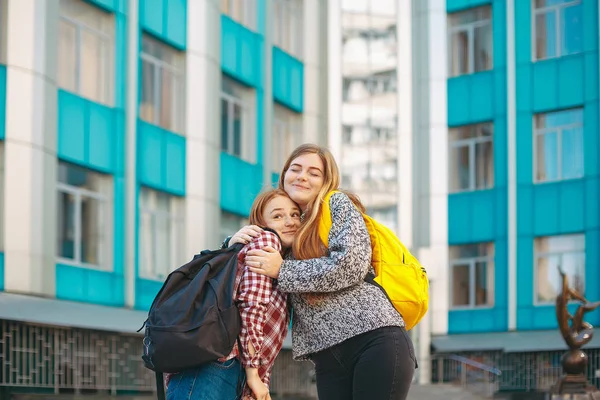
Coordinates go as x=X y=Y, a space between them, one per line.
x=160 y=386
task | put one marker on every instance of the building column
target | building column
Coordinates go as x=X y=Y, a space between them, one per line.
x=431 y=166
x=131 y=117
x=334 y=82
x=314 y=55
x=30 y=147
x=267 y=96
x=203 y=149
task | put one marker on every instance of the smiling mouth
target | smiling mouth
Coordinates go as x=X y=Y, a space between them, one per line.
x=300 y=187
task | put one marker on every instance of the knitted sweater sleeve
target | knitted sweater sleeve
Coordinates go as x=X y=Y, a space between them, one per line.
x=349 y=257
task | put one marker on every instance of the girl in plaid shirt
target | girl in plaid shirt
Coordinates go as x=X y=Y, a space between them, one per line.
x=264 y=313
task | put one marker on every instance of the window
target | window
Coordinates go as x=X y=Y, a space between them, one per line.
x=566 y=252
x=242 y=11
x=162 y=236
x=287 y=26
x=557 y=28
x=237 y=123
x=287 y=134
x=84 y=217
x=470 y=41
x=356 y=89
x=231 y=223
x=471 y=159
x=383 y=134
x=85 y=51
x=472 y=275
x=558 y=145
x=162 y=100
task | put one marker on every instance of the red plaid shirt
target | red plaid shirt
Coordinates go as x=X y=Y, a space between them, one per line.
x=264 y=312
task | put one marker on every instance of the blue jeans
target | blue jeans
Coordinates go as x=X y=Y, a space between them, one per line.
x=212 y=381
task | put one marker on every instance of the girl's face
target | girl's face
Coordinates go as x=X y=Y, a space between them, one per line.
x=304 y=179
x=283 y=216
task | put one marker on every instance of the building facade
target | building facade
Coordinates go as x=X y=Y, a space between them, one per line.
x=495 y=110
x=134 y=133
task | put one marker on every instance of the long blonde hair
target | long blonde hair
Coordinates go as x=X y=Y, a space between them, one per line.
x=307 y=243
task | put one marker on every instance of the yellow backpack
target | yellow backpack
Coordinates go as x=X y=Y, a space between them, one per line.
x=397 y=271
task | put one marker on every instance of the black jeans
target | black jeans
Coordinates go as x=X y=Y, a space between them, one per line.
x=377 y=365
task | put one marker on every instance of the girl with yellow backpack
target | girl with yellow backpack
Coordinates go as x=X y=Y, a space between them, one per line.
x=343 y=321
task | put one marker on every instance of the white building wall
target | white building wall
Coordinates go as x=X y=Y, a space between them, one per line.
x=203 y=80
x=30 y=146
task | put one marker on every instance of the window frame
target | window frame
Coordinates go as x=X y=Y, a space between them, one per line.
x=561 y=254
x=470 y=29
x=105 y=251
x=106 y=57
x=290 y=123
x=248 y=7
x=176 y=207
x=248 y=128
x=472 y=262
x=287 y=26
x=178 y=72
x=559 y=133
x=471 y=143
x=557 y=9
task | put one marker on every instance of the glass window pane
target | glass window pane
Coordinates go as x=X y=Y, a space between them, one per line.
x=483 y=283
x=91 y=70
x=92 y=230
x=148 y=92
x=67 y=59
x=546 y=3
x=167 y=97
x=572 y=153
x=547 y=157
x=548 y=278
x=224 y=125
x=460 y=53
x=484 y=160
x=66 y=225
x=459 y=168
x=237 y=130
x=147 y=258
x=483 y=48
x=573 y=264
x=163 y=244
x=460 y=285
x=562 y=243
x=572 y=29
x=545 y=35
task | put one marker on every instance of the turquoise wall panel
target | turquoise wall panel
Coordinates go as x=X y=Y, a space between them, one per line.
x=591 y=127
x=161 y=159
x=2 y=101
x=239 y=188
x=472 y=321
x=89 y=285
x=239 y=47
x=288 y=80
x=558 y=83
x=471 y=217
x=472 y=98
x=110 y=5
x=459 y=5
x=558 y=208
x=146 y=291
x=1 y=271
x=87 y=132
x=165 y=19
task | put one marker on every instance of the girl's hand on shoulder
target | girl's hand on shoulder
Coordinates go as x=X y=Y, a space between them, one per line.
x=265 y=262
x=245 y=235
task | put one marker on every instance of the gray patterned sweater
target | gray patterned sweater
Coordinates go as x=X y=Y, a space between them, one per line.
x=331 y=300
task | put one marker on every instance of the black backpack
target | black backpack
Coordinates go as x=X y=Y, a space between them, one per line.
x=193 y=318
